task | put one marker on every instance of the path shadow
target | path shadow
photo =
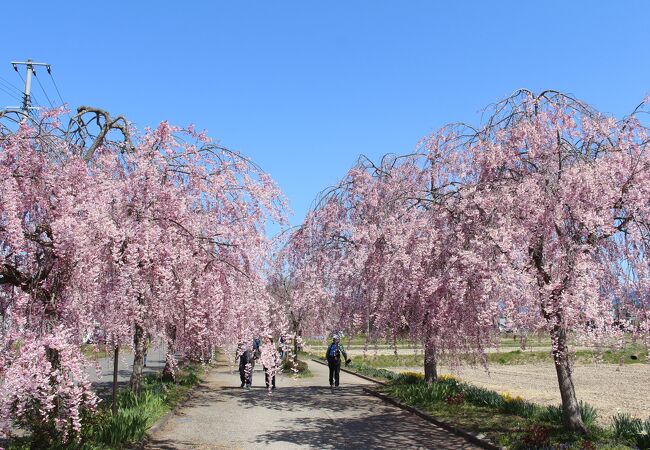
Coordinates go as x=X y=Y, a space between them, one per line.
x=374 y=431
x=293 y=398
x=382 y=427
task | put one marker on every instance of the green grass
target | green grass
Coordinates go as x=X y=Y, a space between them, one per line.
x=135 y=415
x=581 y=356
x=354 y=340
x=514 y=357
x=634 y=431
x=507 y=342
x=88 y=350
x=506 y=421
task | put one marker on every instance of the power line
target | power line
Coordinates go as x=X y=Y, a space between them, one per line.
x=21 y=77
x=34 y=100
x=56 y=87
x=8 y=84
x=43 y=89
x=9 y=93
x=67 y=113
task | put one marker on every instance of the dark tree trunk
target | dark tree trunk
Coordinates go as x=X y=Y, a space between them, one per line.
x=570 y=411
x=430 y=363
x=44 y=432
x=295 y=347
x=116 y=363
x=295 y=326
x=169 y=371
x=138 y=359
x=571 y=416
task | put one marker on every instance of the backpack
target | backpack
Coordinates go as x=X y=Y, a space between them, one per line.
x=333 y=352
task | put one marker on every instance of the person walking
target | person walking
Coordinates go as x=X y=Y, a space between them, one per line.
x=333 y=355
x=246 y=363
x=270 y=362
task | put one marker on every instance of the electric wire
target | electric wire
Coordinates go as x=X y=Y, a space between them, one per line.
x=43 y=89
x=10 y=85
x=57 y=89
x=34 y=100
x=59 y=93
x=9 y=93
x=20 y=75
x=6 y=86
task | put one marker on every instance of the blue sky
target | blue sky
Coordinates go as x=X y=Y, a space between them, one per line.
x=305 y=87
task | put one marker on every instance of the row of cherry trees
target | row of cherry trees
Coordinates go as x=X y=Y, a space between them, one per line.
x=540 y=217
x=129 y=237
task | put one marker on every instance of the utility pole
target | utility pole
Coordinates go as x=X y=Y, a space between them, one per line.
x=28 y=80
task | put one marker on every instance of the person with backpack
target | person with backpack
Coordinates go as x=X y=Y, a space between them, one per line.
x=333 y=355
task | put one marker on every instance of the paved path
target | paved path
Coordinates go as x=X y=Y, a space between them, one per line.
x=302 y=413
x=104 y=382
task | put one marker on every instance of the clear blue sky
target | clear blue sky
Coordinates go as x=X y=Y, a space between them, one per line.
x=304 y=87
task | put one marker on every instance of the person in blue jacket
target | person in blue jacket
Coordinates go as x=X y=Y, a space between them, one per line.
x=333 y=355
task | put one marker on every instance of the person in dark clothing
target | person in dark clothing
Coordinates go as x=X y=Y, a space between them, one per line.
x=246 y=364
x=333 y=355
x=270 y=361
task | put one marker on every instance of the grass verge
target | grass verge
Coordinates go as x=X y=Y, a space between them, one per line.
x=505 y=420
x=135 y=414
x=630 y=356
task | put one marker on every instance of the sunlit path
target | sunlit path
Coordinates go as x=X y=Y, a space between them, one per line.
x=302 y=413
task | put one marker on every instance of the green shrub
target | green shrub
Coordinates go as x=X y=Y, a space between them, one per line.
x=409 y=377
x=135 y=414
x=588 y=413
x=289 y=365
x=520 y=408
x=297 y=368
x=373 y=372
x=553 y=414
x=189 y=376
x=482 y=397
x=633 y=430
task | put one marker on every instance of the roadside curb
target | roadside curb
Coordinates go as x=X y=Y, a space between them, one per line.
x=474 y=439
x=352 y=373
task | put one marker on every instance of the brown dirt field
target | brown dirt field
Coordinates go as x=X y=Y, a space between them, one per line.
x=608 y=387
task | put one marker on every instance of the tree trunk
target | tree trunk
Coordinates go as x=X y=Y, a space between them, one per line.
x=169 y=371
x=295 y=347
x=570 y=411
x=116 y=355
x=430 y=363
x=138 y=359
x=44 y=432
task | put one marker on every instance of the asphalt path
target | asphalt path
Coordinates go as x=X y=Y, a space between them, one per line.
x=100 y=370
x=301 y=413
